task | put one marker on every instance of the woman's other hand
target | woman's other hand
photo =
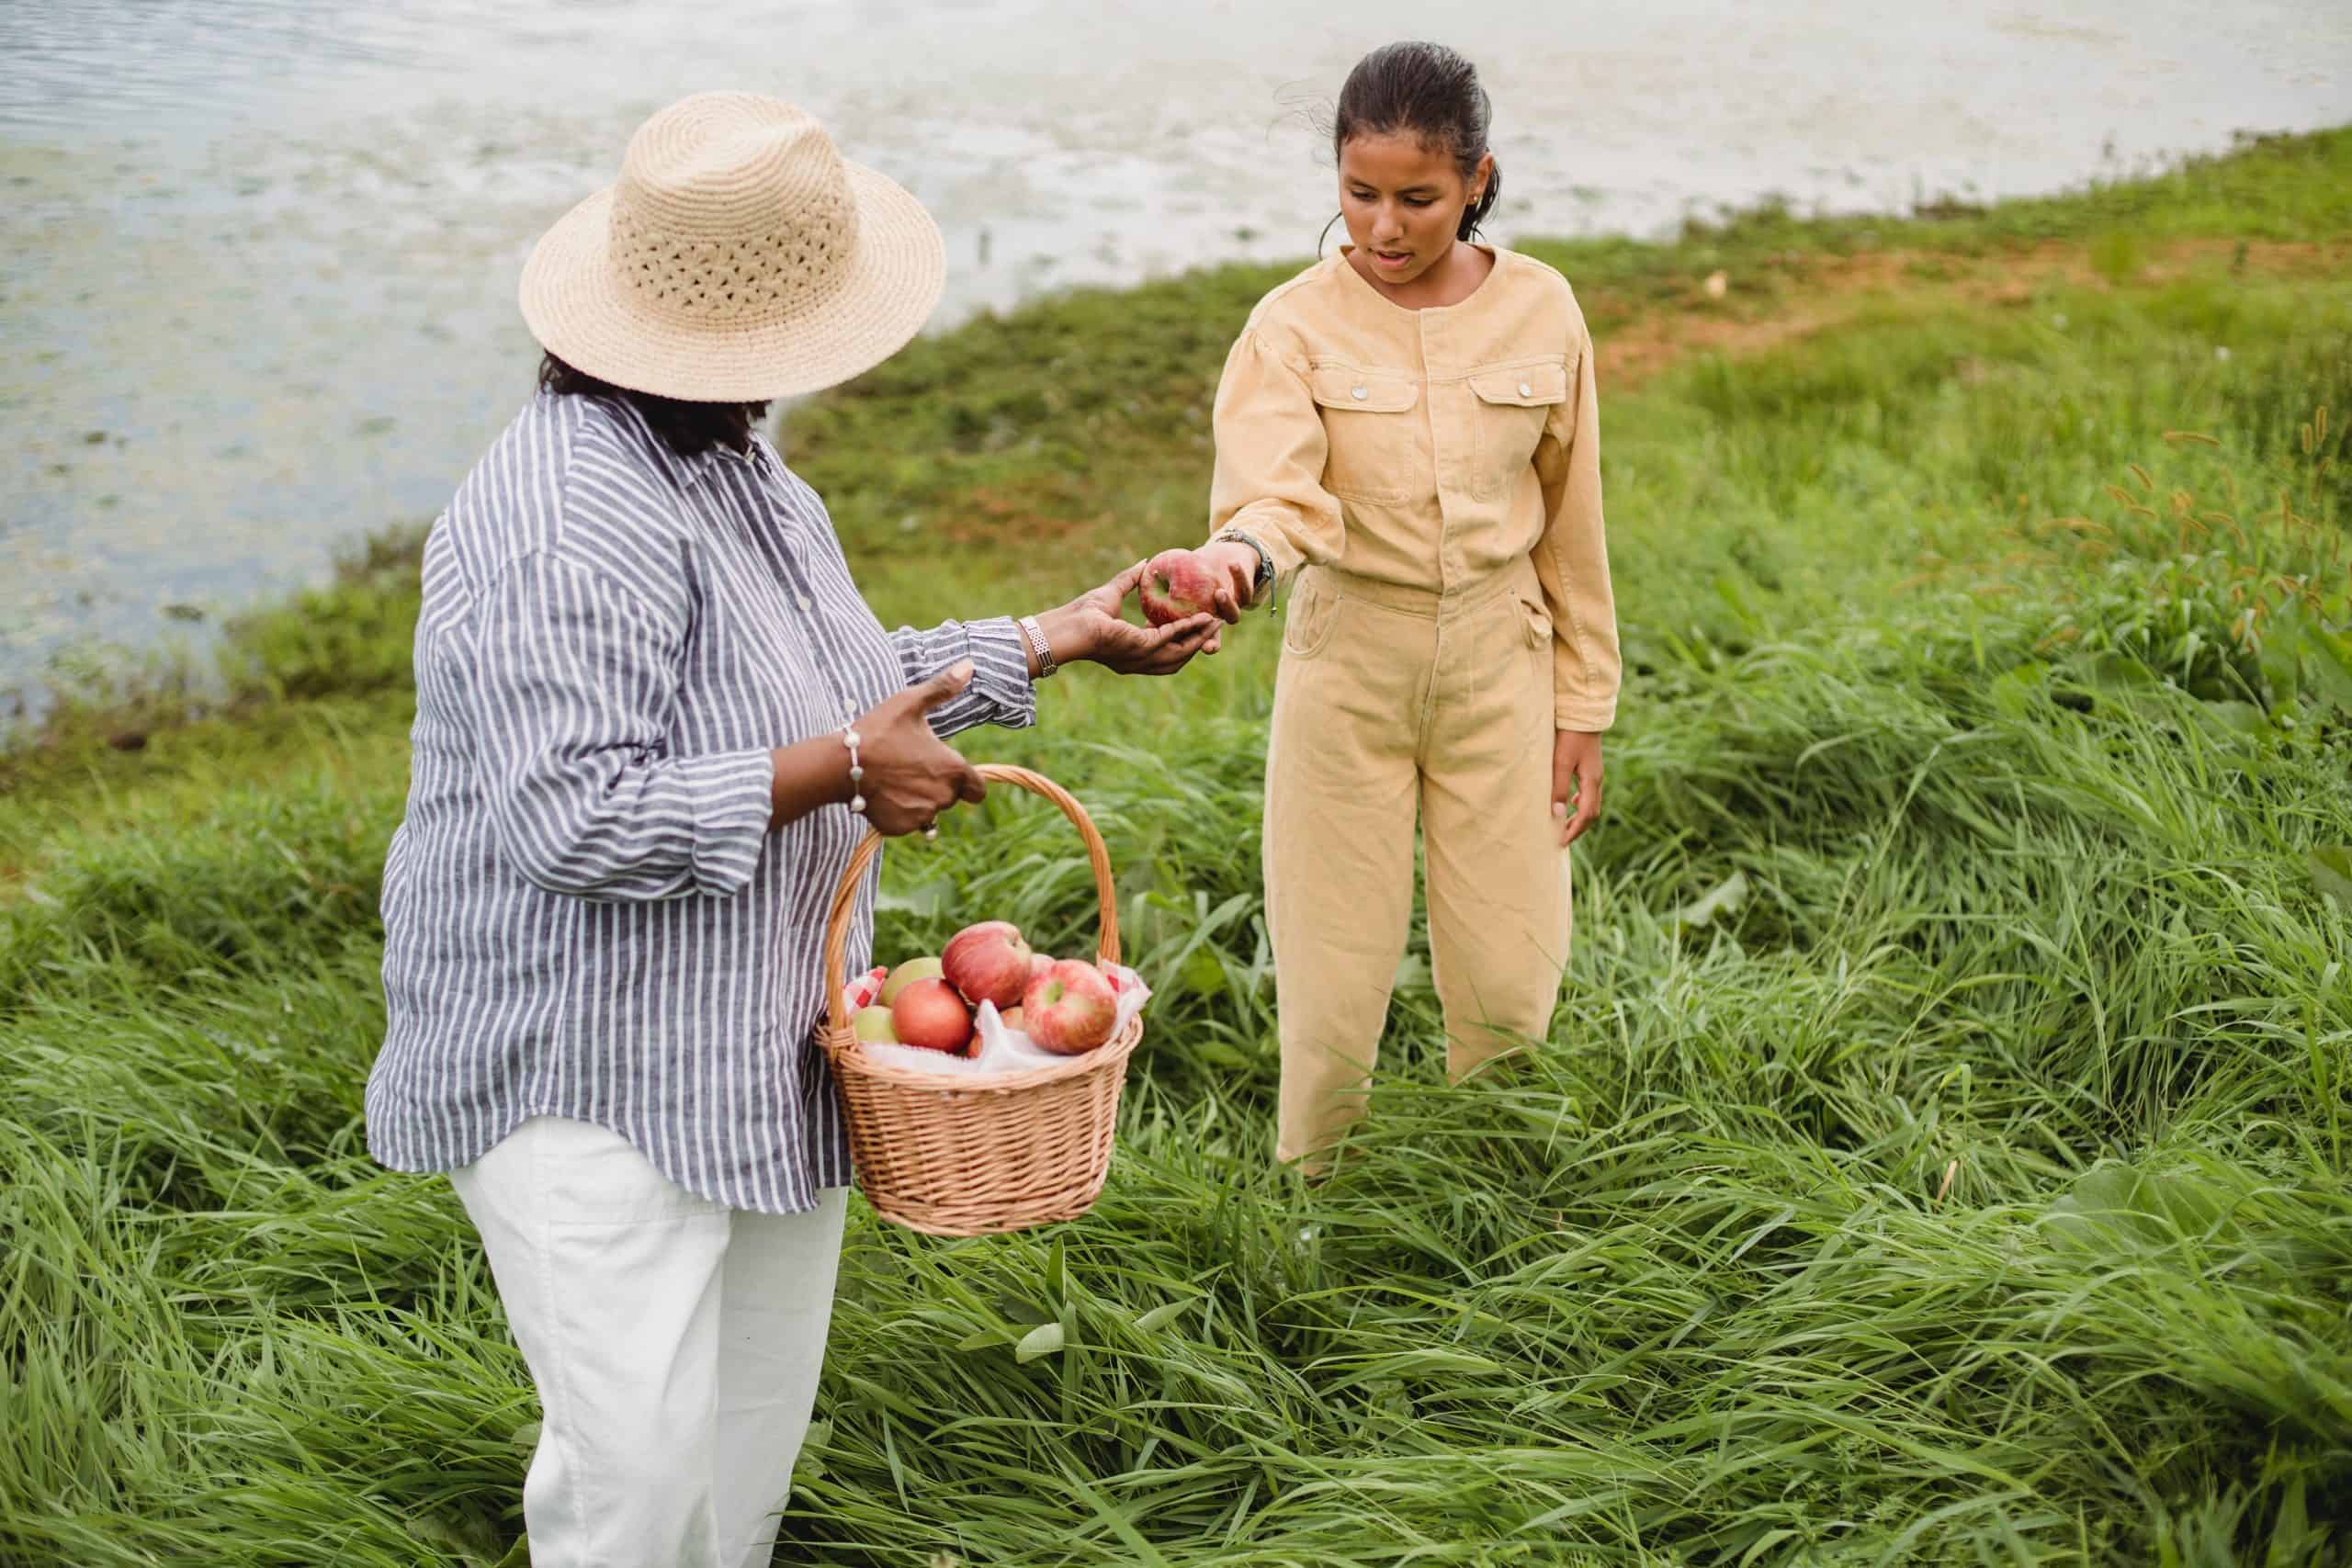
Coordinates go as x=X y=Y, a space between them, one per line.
x=910 y=775
x=1089 y=628
x=1575 y=778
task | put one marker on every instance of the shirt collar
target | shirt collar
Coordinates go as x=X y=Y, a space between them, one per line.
x=697 y=470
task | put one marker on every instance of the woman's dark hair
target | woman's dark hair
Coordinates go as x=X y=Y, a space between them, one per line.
x=689 y=429
x=1428 y=90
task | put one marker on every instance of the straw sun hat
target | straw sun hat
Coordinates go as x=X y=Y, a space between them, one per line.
x=739 y=257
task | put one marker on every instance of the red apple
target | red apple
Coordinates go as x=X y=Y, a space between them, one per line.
x=987 y=963
x=929 y=1014
x=1011 y=1017
x=1070 y=1007
x=1038 y=964
x=1177 y=584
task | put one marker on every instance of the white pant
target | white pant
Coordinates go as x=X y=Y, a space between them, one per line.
x=675 y=1344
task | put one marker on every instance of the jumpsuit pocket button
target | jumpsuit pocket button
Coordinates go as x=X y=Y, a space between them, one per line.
x=1358 y=393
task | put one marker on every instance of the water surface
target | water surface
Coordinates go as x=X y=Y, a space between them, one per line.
x=257 y=273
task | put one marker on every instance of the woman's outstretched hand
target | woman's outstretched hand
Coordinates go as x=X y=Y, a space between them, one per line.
x=1089 y=628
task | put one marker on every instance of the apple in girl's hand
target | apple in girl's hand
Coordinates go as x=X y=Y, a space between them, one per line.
x=1177 y=584
x=1070 y=1008
x=929 y=1014
x=987 y=963
x=906 y=974
x=874 y=1026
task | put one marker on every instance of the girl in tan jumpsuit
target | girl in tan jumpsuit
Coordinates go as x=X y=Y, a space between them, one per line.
x=1408 y=433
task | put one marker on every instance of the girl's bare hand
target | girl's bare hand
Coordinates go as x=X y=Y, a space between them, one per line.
x=1575 y=778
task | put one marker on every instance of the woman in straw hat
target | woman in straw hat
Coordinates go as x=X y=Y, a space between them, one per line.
x=655 y=718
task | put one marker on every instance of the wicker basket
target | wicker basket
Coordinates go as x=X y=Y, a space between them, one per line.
x=974 y=1157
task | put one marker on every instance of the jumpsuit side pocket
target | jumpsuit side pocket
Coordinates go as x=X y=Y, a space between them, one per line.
x=1539 y=635
x=1314 y=612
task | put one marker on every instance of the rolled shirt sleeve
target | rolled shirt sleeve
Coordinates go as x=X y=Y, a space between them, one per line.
x=1000 y=692
x=575 y=675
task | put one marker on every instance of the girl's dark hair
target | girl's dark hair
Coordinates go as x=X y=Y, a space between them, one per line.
x=689 y=429
x=1427 y=89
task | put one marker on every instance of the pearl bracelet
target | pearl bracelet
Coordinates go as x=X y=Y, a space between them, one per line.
x=850 y=738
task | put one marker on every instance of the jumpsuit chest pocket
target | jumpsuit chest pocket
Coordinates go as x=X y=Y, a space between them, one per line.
x=1376 y=438
x=1509 y=410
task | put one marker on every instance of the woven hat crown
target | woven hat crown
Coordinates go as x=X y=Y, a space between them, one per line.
x=732 y=209
x=738 y=257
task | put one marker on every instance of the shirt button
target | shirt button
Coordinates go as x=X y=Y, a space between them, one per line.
x=805 y=606
x=1525 y=391
x=1360 y=393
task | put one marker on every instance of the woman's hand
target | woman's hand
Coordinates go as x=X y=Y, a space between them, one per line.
x=910 y=775
x=1576 y=776
x=1089 y=628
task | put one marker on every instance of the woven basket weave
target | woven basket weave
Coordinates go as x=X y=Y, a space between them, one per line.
x=957 y=1156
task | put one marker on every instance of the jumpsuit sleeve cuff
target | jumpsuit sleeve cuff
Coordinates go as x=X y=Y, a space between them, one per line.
x=1583 y=716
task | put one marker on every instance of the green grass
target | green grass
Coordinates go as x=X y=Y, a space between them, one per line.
x=1940 y=1157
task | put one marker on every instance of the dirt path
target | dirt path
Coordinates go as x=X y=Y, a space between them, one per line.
x=1801 y=293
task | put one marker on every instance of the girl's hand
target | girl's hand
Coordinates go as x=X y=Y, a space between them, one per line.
x=910 y=775
x=1089 y=628
x=1576 y=776
x=1235 y=567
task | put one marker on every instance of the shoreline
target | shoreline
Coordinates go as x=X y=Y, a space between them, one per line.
x=1653 y=304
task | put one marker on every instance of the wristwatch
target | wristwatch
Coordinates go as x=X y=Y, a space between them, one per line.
x=1035 y=634
x=1265 y=577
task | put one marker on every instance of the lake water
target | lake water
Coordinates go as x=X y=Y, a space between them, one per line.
x=257 y=270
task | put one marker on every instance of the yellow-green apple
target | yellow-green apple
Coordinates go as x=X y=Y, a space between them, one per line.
x=1070 y=1008
x=1177 y=584
x=872 y=1025
x=929 y=1014
x=987 y=963
x=906 y=974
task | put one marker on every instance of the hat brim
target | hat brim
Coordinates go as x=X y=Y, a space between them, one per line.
x=579 y=311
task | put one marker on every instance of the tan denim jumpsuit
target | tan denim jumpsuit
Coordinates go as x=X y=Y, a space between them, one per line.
x=1429 y=481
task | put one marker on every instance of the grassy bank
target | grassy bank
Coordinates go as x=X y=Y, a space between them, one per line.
x=1940 y=1157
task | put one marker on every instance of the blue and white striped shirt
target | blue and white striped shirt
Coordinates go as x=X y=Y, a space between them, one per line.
x=584 y=912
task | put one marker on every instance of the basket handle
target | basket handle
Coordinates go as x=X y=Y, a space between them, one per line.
x=845 y=896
